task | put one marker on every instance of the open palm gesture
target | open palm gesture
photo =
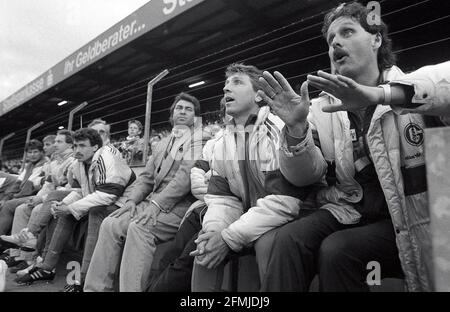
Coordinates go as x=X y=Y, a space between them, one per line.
x=352 y=94
x=285 y=103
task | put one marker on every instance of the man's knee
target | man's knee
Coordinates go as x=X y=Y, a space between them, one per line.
x=113 y=227
x=100 y=211
x=264 y=244
x=9 y=207
x=65 y=220
x=108 y=225
x=23 y=209
x=291 y=235
x=135 y=229
x=335 y=249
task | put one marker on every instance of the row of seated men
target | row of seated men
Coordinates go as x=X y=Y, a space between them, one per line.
x=310 y=187
x=11 y=166
x=132 y=147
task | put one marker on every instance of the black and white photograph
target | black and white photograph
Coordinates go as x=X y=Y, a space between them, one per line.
x=224 y=151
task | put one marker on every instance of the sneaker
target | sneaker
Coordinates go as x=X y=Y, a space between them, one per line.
x=4 y=255
x=10 y=261
x=27 y=239
x=73 y=288
x=10 y=241
x=3 y=268
x=14 y=239
x=31 y=266
x=20 y=266
x=35 y=274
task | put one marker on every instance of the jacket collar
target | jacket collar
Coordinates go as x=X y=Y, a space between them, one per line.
x=64 y=155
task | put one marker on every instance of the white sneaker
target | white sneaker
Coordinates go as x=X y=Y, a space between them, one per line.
x=28 y=240
x=24 y=238
x=3 y=268
x=13 y=239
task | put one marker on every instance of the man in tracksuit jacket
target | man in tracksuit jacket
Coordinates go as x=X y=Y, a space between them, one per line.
x=247 y=194
x=100 y=177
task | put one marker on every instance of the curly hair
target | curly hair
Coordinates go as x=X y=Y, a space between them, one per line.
x=357 y=12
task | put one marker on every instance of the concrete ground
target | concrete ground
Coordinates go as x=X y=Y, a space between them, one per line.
x=53 y=286
x=247 y=277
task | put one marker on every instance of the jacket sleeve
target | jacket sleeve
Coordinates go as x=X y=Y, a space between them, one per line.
x=201 y=173
x=270 y=212
x=305 y=157
x=73 y=196
x=199 y=186
x=144 y=183
x=431 y=90
x=180 y=185
x=36 y=177
x=112 y=175
x=224 y=207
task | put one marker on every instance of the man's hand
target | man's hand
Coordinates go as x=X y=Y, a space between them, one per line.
x=215 y=249
x=130 y=206
x=200 y=247
x=150 y=212
x=53 y=205
x=61 y=210
x=352 y=94
x=285 y=103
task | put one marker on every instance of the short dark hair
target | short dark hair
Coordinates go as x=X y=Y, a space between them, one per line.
x=67 y=134
x=137 y=122
x=253 y=72
x=186 y=97
x=34 y=144
x=88 y=134
x=357 y=12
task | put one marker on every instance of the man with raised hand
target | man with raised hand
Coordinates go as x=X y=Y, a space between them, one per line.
x=375 y=207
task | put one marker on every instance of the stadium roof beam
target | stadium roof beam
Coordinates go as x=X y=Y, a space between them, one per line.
x=260 y=19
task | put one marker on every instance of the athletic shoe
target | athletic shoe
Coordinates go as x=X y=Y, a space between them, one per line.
x=28 y=239
x=20 y=266
x=3 y=268
x=31 y=266
x=73 y=288
x=6 y=245
x=23 y=239
x=12 y=239
x=35 y=274
x=4 y=255
x=10 y=261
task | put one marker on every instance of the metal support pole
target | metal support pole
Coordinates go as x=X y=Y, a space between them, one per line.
x=148 y=111
x=73 y=112
x=28 y=139
x=3 y=141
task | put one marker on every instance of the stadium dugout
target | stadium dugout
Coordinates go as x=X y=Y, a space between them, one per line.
x=195 y=40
